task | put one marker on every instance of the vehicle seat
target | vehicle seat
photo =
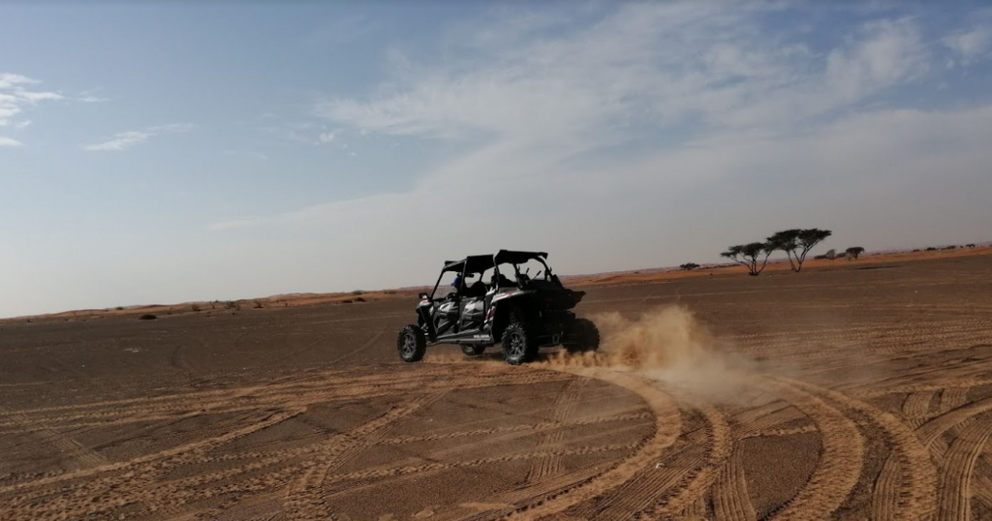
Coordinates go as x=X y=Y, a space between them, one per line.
x=502 y=282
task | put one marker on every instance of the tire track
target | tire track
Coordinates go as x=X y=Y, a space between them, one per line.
x=71 y=452
x=374 y=477
x=917 y=405
x=953 y=397
x=693 y=485
x=983 y=489
x=781 y=432
x=959 y=467
x=535 y=427
x=305 y=464
x=840 y=458
x=252 y=398
x=139 y=474
x=563 y=406
x=507 y=502
x=362 y=478
x=907 y=486
x=931 y=430
x=668 y=424
x=731 y=501
x=369 y=343
x=303 y=499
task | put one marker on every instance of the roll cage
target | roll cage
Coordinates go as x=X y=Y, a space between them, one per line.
x=479 y=264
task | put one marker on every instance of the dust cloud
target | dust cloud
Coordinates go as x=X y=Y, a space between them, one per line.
x=668 y=344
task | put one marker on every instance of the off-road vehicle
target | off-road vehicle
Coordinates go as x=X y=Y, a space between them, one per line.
x=495 y=299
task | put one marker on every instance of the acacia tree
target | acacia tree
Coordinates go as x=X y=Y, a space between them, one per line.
x=854 y=251
x=748 y=254
x=689 y=266
x=796 y=243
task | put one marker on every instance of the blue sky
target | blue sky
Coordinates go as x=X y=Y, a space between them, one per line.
x=172 y=151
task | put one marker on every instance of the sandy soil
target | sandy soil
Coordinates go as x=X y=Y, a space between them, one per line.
x=859 y=391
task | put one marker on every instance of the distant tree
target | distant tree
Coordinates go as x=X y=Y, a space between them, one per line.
x=689 y=266
x=970 y=246
x=855 y=251
x=748 y=255
x=931 y=248
x=796 y=243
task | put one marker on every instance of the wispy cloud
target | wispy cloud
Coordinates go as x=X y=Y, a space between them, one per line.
x=9 y=142
x=970 y=45
x=9 y=80
x=662 y=65
x=92 y=99
x=120 y=141
x=125 y=140
x=17 y=94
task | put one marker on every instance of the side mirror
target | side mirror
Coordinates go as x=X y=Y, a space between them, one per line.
x=424 y=296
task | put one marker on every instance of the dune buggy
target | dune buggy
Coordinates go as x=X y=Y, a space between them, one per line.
x=485 y=300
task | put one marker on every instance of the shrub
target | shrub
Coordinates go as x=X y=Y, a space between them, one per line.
x=147 y=316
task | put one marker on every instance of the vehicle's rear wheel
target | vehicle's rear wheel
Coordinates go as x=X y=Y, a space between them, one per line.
x=519 y=346
x=411 y=343
x=473 y=350
x=584 y=336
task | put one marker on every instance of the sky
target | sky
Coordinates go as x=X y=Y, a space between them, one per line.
x=165 y=152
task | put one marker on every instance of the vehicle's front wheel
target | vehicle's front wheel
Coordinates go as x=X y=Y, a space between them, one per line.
x=519 y=346
x=473 y=350
x=584 y=336
x=411 y=343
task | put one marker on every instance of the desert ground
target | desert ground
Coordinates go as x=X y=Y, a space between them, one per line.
x=850 y=391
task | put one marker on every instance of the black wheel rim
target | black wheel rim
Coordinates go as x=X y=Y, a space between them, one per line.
x=409 y=345
x=517 y=347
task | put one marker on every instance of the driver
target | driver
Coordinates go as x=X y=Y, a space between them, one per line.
x=474 y=290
